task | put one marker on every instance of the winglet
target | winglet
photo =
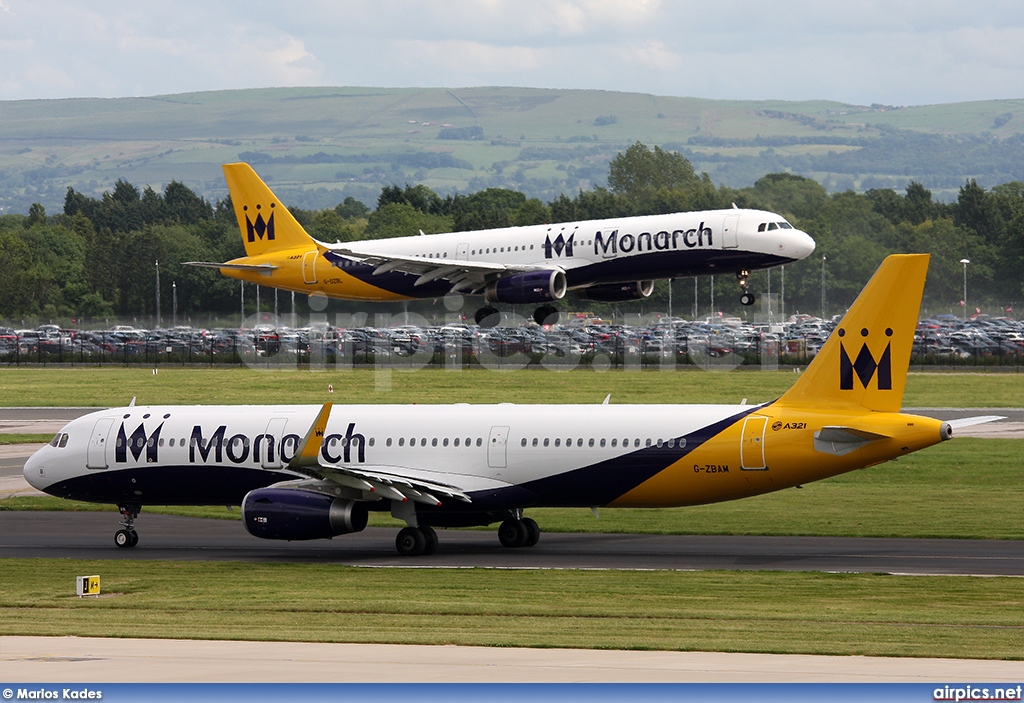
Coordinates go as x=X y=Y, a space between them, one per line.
x=309 y=450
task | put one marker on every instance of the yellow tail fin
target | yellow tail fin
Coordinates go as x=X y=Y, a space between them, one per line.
x=865 y=360
x=265 y=224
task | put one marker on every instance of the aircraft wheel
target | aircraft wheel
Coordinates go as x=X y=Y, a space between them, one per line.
x=747 y=299
x=546 y=315
x=126 y=538
x=532 y=531
x=488 y=317
x=430 y=536
x=512 y=533
x=410 y=542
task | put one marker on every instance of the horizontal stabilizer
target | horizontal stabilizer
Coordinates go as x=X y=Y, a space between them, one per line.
x=258 y=268
x=971 y=421
x=843 y=440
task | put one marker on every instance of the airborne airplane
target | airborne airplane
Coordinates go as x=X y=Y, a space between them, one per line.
x=308 y=472
x=605 y=260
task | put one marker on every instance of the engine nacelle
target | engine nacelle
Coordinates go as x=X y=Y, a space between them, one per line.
x=617 y=292
x=531 y=287
x=282 y=513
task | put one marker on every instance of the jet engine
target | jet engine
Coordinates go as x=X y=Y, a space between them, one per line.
x=617 y=292
x=531 y=287
x=282 y=513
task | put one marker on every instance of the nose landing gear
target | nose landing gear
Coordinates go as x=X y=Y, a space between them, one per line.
x=747 y=298
x=127 y=537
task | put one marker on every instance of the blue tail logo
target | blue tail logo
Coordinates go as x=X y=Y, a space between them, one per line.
x=864 y=367
x=260 y=227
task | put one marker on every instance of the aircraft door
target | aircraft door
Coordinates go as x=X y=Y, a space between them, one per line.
x=271 y=445
x=497 y=444
x=309 y=266
x=752 y=444
x=96 y=455
x=729 y=236
x=462 y=252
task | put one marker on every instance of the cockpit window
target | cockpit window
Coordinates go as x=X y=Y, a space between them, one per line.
x=773 y=225
x=59 y=440
x=55 y=440
x=63 y=441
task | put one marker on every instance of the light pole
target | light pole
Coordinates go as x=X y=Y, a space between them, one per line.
x=174 y=303
x=823 y=316
x=694 y=298
x=782 y=303
x=158 y=294
x=964 y=301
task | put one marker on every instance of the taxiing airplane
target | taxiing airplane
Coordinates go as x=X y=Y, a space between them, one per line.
x=308 y=472
x=609 y=260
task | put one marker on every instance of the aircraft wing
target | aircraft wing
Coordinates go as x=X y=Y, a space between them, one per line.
x=462 y=273
x=392 y=482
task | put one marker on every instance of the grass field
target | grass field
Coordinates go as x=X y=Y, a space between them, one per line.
x=859 y=614
x=114 y=386
x=964 y=488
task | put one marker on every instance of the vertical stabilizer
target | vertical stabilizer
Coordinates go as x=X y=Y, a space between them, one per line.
x=265 y=224
x=865 y=360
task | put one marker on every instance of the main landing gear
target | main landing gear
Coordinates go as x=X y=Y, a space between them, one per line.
x=488 y=317
x=519 y=532
x=416 y=541
x=747 y=298
x=421 y=540
x=127 y=537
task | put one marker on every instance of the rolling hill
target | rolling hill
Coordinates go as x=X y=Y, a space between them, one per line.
x=317 y=146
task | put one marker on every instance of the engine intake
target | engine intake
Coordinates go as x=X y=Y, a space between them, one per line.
x=531 y=287
x=617 y=292
x=282 y=513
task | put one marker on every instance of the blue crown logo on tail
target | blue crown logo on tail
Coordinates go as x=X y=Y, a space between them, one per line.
x=864 y=366
x=260 y=227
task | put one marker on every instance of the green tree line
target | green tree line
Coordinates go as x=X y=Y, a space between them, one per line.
x=98 y=258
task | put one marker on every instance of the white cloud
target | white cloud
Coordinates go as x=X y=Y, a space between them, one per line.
x=895 y=51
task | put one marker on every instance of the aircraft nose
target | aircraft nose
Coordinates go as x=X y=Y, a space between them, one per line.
x=802 y=244
x=34 y=470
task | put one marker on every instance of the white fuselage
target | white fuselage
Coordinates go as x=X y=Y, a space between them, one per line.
x=215 y=454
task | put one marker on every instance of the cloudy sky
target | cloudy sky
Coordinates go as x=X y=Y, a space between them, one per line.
x=899 y=52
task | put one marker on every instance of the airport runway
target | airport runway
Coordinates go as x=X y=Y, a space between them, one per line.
x=67 y=535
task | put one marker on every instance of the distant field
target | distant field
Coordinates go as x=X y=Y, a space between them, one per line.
x=113 y=386
x=541 y=142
